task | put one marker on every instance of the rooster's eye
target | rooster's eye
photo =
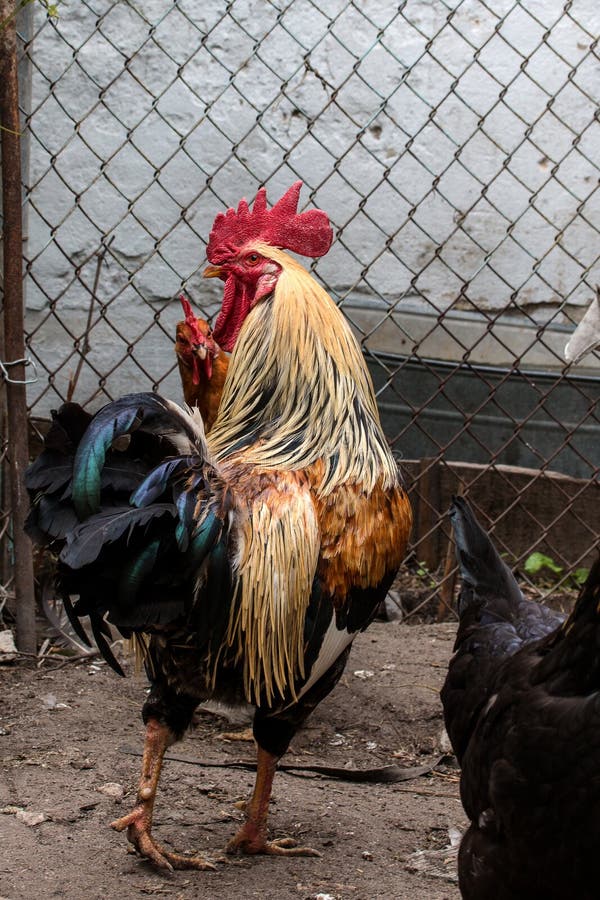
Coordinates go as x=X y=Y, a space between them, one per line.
x=252 y=259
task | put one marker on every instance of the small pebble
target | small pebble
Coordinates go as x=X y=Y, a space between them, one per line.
x=8 y=651
x=364 y=673
x=30 y=818
x=112 y=789
x=50 y=702
x=86 y=763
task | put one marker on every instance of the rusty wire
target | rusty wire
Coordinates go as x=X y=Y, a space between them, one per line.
x=359 y=131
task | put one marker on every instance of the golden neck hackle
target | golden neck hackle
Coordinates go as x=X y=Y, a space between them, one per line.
x=298 y=389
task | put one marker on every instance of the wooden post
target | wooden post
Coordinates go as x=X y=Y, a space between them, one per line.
x=14 y=345
x=448 y=583
x=428 y=507
x=450 y=575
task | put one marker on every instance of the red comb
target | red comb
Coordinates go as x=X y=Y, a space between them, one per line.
x=308 y=233
x=190 y=320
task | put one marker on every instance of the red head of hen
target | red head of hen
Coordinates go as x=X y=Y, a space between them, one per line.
x=195 y=344
x=250 y=276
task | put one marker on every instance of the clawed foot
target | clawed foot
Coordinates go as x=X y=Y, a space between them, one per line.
x=248 y=841
x=138 y=833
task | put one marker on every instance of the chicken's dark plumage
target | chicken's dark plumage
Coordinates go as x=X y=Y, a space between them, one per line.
x=522 y=709
x=495 y=622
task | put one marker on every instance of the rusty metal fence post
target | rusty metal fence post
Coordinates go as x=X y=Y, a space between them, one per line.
x=14 y=348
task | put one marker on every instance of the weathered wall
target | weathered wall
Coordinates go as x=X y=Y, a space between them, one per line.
x=456 y=150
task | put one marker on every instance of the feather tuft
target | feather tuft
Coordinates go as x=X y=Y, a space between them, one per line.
x=101 y=632
x=86 y=541
x=61 y=626
x=157 y=482
x=147 y=413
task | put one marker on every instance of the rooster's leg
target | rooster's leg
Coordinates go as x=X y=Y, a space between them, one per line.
x=252 y=836
x=273 y=734
x=139 y=821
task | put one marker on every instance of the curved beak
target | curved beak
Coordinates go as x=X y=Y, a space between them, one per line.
x=200 y=350
x=213 y=272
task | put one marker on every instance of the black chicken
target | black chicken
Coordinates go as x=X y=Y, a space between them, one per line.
x=522 y=709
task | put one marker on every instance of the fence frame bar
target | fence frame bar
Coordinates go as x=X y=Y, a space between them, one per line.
x=14 y=344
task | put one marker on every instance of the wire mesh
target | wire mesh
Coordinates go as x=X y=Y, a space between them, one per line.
x=455 y=146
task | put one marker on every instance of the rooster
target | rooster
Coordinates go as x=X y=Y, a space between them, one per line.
x=245 y=561
x=522 y=709
x=202 y=365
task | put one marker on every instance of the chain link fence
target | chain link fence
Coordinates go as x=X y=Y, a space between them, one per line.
x=455 y=145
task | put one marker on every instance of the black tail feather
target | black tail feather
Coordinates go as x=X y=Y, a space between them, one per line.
x=587 y=604
x=133 y=510
x=147 y=413
x=74 y=620
x=86 y=541
x=571 y=658
x=486 y=579
x=101 y=631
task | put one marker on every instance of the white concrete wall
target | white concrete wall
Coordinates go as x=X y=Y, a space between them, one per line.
x=150 y=116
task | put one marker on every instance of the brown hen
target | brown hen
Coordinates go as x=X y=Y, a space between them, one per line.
x=202 y=364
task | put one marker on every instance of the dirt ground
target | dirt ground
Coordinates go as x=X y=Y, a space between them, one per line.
x=65 y=733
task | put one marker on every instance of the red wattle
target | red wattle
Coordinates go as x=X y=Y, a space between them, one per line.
x=195 y=369
x=234 y=309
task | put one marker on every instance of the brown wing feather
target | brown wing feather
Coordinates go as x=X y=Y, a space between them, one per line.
x=363 y=536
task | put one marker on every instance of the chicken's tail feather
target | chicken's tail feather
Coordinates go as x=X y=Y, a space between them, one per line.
x=48 y=479
x=570 y=656
x=148 y=413
x=85 y=542
x=103 y=637
x=486 y=579
x=587 y=604
x=74 y=620
x=100 y=629
x=134 y=560
x=156 y=482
